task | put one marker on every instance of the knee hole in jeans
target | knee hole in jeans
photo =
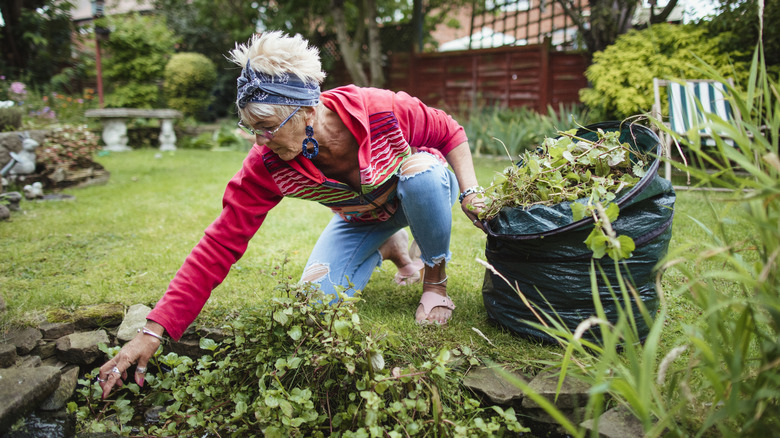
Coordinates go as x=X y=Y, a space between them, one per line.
x=315 y=272
x=418 y=163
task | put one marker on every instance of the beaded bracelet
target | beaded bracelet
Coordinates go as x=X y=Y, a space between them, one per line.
x=146 y=331
x=469 y=191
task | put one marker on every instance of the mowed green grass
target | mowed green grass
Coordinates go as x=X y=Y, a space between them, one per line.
x=124 y=241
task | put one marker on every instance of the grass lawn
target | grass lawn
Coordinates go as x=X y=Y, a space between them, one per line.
x=123 y=242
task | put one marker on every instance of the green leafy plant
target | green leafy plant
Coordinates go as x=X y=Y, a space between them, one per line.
x=189 y=78
x=139 y=47
x=622 y=75
x=720 y=377
x=68 y=147
x=570 y=168
x=10 y=118
x=519 y=128
x=303 y=367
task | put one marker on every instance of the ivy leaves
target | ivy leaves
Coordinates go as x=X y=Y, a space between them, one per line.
x=570 y=168
x=298 y=366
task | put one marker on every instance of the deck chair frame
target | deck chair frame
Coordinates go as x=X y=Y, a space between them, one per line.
x=684 y=114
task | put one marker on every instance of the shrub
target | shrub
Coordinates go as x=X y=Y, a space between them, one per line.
x=622 y=75
x=189 y=78
x=10 y=118
x=139 y=47
x=517 y=128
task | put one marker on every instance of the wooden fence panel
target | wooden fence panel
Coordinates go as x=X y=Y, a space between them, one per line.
x=534 y=76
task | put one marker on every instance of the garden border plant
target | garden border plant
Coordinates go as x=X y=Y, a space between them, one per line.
x=299 y=366
x=722 y=377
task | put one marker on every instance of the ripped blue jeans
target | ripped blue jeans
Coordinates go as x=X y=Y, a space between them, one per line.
x=349 y=252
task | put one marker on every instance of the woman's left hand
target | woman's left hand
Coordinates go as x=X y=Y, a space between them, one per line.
x=472 y=205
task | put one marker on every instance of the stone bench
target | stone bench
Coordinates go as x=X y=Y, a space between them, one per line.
x=115 y=129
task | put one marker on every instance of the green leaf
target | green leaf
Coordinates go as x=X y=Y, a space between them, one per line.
x=342 y=328
x=208 y=344
x=377 y=361
x=612 y=211
x=597 y=242
x=578 y=210
x=241 y=409
x=280 y=317
x=295 y=332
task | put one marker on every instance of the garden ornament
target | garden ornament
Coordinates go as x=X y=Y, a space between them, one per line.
x=26 y=157
x=33 y=191
x=7 y=168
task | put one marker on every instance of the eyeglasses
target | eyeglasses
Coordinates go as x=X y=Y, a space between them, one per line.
x=269 y=135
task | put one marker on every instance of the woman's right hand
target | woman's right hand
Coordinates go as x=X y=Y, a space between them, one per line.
x=138 y=351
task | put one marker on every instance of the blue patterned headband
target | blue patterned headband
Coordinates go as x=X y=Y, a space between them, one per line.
x=286 y=89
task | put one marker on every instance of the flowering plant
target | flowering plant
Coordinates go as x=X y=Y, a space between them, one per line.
x=17 y=91
x=69 y=147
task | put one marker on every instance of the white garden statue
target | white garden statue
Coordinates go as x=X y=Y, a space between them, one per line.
x=25 y=159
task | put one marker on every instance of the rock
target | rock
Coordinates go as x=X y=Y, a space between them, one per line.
x=216 y=335
x=152 y=415
x=60 y=396
x=496 y=387
x=22 y=389
x=89 y=317
x=13 y=199
x=134 y=319
x=28 y=362
x=617 y=422
x=45 y=349
x=25 y=340
x=81 y=348
x=186 y=347
x=573 y=393
x=54 y=362
x=5 y=213
x=54 y=330
x=7 y=355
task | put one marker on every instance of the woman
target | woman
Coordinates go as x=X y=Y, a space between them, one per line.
x=375 y=157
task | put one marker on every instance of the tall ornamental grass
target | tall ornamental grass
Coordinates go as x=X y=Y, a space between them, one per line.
x=721 y=376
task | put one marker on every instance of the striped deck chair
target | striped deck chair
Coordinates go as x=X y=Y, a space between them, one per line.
x=684 y=111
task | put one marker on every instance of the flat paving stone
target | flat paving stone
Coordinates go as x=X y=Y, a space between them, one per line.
x=22 y=389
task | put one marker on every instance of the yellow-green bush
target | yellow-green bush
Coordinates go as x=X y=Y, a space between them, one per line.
x=189 y=78
x=621 y=76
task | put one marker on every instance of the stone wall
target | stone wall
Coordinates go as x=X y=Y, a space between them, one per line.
x=40 y=366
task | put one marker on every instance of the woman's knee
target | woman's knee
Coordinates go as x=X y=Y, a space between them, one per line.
x=418 y=163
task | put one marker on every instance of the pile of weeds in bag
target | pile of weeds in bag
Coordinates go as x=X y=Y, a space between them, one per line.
x=591 y=196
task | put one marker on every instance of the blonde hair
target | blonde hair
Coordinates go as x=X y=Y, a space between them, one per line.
x=275 y=53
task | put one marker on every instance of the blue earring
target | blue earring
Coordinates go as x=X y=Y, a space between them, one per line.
x=306 y=141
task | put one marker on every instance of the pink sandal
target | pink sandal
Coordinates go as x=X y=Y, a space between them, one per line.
x=431 y=300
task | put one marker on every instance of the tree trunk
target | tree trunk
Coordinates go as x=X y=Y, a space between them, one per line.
x=374 y=46
x=608 y=19
x=350 y=50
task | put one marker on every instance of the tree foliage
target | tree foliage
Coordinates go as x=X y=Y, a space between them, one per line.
x=139 y=47
x=211 y=28
x=35 y=39
x=622 y=75
x=606 y=20
x=738 y=30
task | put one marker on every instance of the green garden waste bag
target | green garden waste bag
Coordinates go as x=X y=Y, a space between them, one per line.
x=542 y=250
